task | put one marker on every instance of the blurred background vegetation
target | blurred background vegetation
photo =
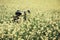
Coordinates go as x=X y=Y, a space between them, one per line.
x=42 y=24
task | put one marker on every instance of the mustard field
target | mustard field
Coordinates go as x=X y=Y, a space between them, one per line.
x=43 y=23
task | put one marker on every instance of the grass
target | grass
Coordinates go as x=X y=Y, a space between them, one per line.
x=40 y=25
